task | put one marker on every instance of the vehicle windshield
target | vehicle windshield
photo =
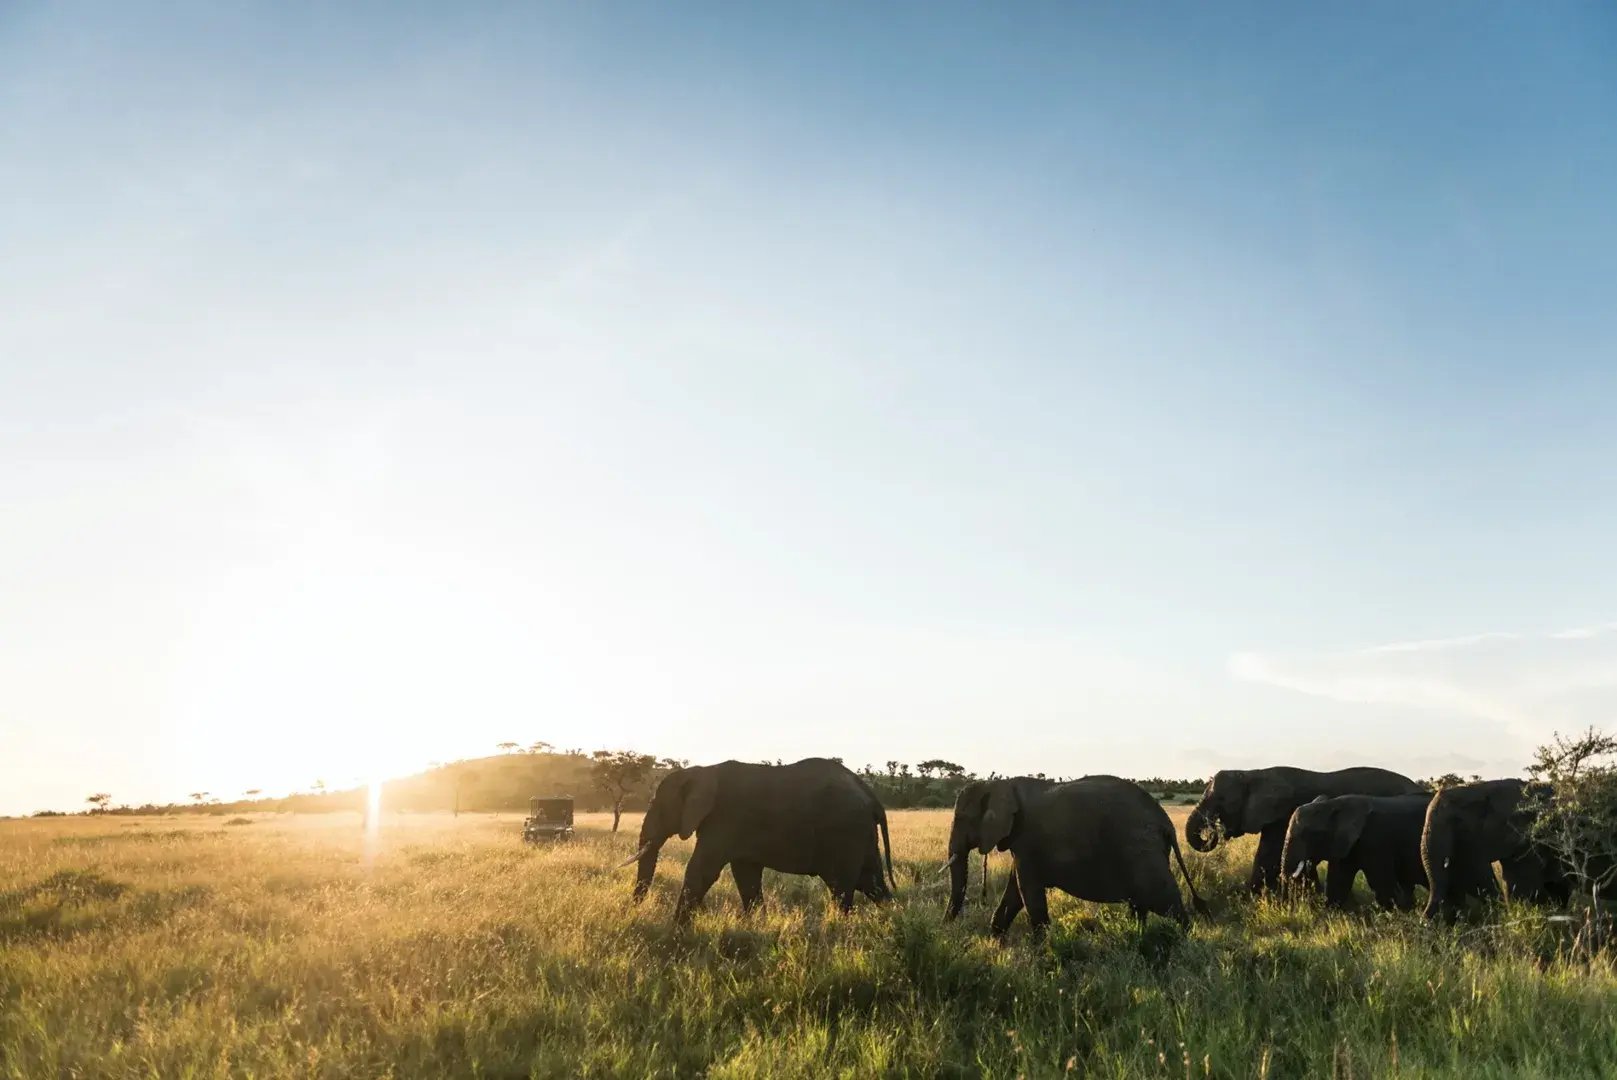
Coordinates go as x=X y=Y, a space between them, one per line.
x=553 y=810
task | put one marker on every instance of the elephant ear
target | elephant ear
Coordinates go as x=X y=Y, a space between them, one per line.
x=1348 y=827
x=701 y=792
x=1267 y=801
x=999 y=816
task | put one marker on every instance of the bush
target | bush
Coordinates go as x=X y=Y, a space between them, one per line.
x=1575 y=807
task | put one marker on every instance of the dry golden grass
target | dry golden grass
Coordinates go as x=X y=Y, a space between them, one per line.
x=187 y=946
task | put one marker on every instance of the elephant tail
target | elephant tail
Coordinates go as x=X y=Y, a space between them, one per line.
x=886 y=845
x=1196 y=902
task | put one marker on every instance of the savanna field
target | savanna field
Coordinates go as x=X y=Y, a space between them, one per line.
x=285 y=945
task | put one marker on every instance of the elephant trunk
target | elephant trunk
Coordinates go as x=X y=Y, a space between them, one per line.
x=1199 y=831
x=1294 y=857
x=646 y=869
x=957 y=882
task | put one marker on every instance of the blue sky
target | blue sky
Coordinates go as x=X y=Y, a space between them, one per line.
x=1063 y=389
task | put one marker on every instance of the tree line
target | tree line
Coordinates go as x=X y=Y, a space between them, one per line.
x=599 y=780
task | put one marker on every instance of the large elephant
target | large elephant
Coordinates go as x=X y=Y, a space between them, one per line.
x=1378 y=834
x=810 y=817
x=1241 y=801
x=1486 y=822
x=1098 y=838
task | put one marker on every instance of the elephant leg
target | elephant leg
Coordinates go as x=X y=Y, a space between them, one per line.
x=1154 y=893
x=1266 y=863
x=1451 y=882
x=844 y=895
x=1443 y=901
x=1437 y=891
x=1168 y=910
x=1171 y=907
x=1032 y=890
x=1010 y=906
x=1339 y=885
x=1482 y=883
x=749 y=879
x=1436 y=899
x=872 y=882
x=700 y=874
x=847 y=876
x=1384 y=886
x=1400 y=890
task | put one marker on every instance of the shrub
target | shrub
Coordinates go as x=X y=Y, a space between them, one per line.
x=1576 y=807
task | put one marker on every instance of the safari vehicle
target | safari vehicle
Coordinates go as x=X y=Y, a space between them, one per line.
x=549 y=818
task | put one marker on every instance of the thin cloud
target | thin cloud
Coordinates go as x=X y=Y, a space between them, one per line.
x=1533 y=684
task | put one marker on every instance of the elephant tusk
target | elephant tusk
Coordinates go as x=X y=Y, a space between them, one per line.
x=944 y=869
x=1302 y=865
x=636 y=857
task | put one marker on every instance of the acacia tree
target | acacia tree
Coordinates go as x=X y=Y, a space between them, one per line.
x=539 y=747
x=98 y=802
x=200 y=797
x=1575 y=818
x=1448 y=779
x=506 y=747
x=618 y=773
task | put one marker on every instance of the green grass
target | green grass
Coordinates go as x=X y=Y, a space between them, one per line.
x=189 y=949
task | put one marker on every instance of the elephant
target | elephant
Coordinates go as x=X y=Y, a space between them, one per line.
x=1480 y=823
x=1379 y=834
x=1241 y=801
x=1098 y=838
x=812 y=817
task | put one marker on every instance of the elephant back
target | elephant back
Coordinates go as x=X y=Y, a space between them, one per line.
x=1111 y=805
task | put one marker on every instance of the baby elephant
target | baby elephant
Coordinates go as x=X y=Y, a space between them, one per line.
x=1379 y=834
x=1098 y=838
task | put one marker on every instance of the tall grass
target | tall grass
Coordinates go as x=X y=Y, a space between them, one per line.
x=147 y=948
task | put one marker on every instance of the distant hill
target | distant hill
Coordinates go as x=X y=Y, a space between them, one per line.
x=502 y=782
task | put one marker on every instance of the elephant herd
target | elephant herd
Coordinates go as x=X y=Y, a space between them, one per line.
x=1400 y=834
x=1102 y=838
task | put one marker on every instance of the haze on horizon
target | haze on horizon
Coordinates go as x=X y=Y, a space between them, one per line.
x=1046 y=389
